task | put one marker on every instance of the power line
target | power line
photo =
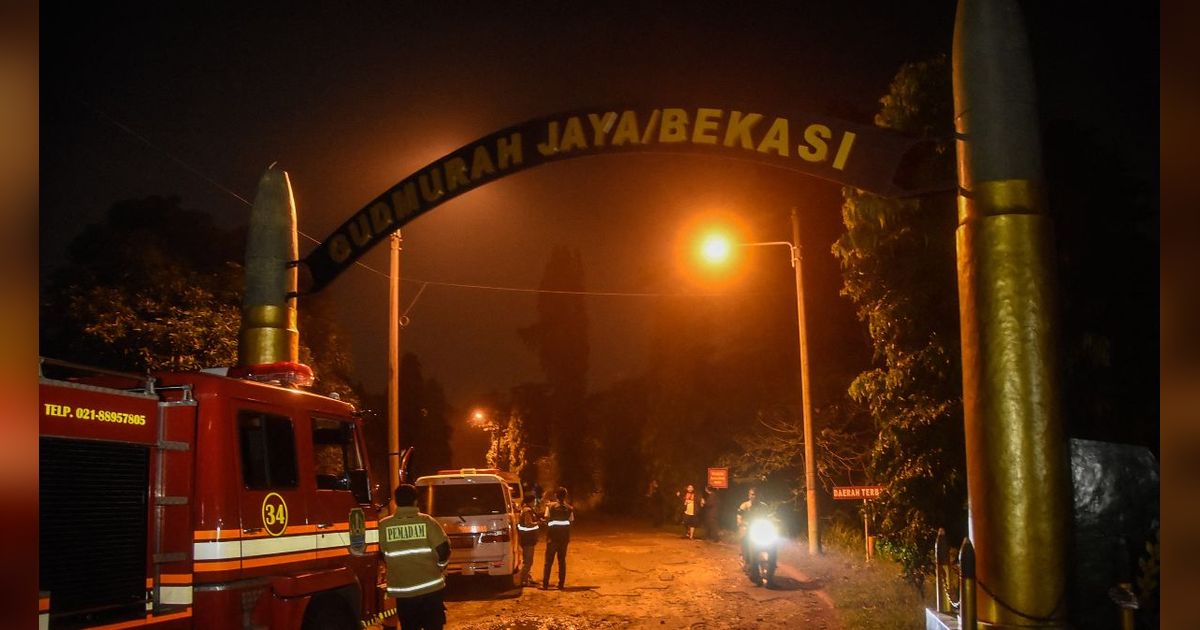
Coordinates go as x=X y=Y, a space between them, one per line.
x=198 y=173
x=169 y=155
x=553 y=291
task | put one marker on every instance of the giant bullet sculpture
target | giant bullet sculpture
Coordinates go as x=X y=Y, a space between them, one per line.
x=1017 y=473
x=269 y=340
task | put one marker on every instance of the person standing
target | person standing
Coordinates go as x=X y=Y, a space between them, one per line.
x=712 y=508
x=654 y=504
x=559 y=516
x=691 y=511
x=416 y=551
x=528 y=529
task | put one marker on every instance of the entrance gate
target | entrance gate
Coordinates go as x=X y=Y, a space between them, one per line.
x=870 y=158
x=1018 y=485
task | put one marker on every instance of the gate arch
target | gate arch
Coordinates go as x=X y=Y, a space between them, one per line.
x=866 y=157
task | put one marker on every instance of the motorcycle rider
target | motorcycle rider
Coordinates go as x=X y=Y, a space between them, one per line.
x=750 y=509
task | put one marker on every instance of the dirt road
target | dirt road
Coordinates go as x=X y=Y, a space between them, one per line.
x=626 y=575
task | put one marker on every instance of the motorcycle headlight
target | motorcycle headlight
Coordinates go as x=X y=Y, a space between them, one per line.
x=763 y=533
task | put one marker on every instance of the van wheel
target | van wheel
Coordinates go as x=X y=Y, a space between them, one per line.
x=327 y=611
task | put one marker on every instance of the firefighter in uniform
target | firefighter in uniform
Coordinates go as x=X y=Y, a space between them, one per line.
x=559 y=516
x=416 y=551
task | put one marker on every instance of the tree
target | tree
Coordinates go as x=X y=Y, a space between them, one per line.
x=324 y=348
x=619 y=413
x=898 y=268
x=152 y=287
x=524 y=438
x=158 y=287
x=775 y=445
x=560 y=339
x=1106 y=239
x=507 y=451
x=424 y=423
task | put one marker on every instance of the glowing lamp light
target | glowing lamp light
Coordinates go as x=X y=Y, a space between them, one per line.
x=479 y=419
x=716 y=248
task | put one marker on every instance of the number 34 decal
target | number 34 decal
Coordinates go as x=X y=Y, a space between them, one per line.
x=274 y=514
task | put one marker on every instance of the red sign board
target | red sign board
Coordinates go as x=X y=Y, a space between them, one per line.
x=857 y=492
x=718 y=477
x=82 y=411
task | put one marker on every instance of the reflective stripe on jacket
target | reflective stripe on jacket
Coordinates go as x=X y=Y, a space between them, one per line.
x=558 y=521
x=409 y=542
x=528 y=527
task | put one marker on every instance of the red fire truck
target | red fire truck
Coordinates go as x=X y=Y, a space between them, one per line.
x=199 y=500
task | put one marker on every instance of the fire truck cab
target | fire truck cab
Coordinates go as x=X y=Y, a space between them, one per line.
x=200 y=500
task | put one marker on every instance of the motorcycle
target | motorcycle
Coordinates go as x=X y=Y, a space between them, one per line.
x=762 y=539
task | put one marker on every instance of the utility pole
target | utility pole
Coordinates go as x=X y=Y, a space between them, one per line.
x=394 y=369
x=810 y=462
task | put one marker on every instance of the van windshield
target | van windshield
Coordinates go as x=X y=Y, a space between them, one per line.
x=467 y=499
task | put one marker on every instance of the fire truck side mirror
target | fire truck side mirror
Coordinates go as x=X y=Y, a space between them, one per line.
x=360 y=486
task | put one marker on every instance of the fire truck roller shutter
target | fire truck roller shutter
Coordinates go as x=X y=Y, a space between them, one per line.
x=92 y=547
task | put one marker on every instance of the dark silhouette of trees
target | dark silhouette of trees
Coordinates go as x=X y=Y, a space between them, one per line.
x=714 y=368
x=560 y=339
x=152 y=287
x=524 y=440
x=424 y=419
x=158 y=287
x=618 y=414
x=1106 y=232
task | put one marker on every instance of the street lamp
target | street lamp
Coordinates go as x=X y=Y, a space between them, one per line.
x=481 y=419
x=716 y=248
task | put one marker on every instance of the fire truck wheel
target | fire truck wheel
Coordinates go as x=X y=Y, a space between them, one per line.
x=328 y=611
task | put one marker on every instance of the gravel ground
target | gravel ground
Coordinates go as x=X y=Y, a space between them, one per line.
x=623 y=574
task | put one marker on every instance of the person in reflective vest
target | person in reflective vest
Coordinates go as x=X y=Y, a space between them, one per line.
x=559 y=516
x=527 y=534
x=416 y=551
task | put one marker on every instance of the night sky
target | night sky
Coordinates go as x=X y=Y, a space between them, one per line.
x=195 y=101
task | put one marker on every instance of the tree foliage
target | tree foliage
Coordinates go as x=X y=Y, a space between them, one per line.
x=507 y=451
x=619 y=413
x=1106 y=238
x=560 y=339
x=775 y=446
x=516 y=425
x=898 y=268
x=152 y=287
x=706 y=384
x=158 y=287
x=424 y=419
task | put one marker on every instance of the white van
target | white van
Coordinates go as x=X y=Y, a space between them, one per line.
x=478 y=508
